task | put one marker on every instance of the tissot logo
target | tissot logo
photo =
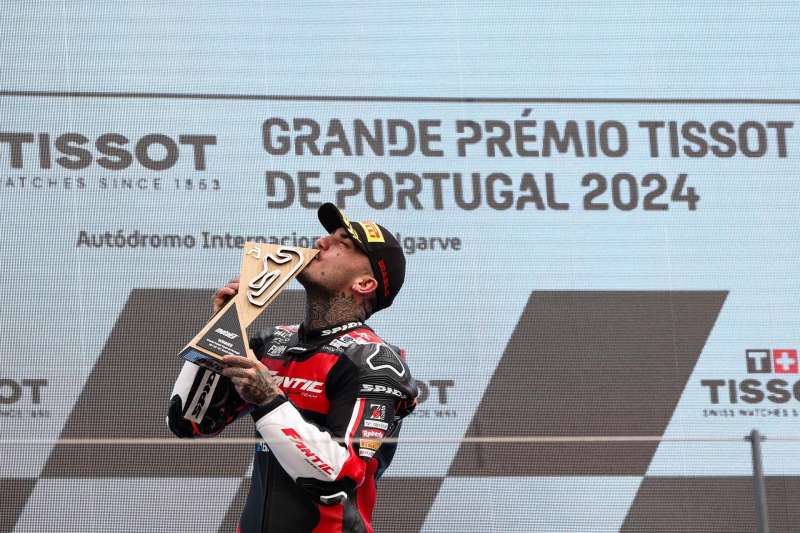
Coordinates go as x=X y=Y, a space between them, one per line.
x=434 y=399
x=760 y=361
x=111 y=151
x=439 y=385
x=766 y=361
x=785 y=361
x=13 y=391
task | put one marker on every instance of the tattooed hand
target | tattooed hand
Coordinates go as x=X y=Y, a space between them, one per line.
x=252 y=380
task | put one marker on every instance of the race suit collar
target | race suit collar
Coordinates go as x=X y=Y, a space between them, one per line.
x=327 y=332
x=304 y=341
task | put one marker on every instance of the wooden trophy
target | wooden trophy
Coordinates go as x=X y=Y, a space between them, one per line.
x=266 y=271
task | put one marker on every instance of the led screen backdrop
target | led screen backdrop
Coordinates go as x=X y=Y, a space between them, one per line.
x=598 y=203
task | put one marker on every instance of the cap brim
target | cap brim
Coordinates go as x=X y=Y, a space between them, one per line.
x=330 y=217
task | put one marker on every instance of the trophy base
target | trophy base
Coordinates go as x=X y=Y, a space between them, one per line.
x=204 y=360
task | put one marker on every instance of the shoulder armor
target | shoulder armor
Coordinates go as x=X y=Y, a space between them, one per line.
x=382 y=371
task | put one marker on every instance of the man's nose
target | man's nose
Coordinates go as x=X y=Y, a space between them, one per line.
x=323 y=243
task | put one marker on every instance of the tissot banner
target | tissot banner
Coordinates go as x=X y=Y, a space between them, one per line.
x=610 y=255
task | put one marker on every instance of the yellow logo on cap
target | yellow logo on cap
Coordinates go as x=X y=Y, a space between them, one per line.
x=373 y=232
x=349 y=227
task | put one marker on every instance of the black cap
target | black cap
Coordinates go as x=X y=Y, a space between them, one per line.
x=380 y=246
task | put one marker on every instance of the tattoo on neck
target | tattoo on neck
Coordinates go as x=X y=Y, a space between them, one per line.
x=329 y=310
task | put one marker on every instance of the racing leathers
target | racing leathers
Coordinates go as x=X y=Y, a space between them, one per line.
x=322 y=452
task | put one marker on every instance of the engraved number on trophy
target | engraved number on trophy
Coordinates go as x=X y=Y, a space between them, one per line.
x=264 y=285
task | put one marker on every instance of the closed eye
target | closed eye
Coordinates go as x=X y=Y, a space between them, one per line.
x=345 y=238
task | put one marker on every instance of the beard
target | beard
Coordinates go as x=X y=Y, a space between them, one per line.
x=313 y=286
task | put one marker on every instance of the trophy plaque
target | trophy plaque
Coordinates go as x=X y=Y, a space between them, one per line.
x=266 y=271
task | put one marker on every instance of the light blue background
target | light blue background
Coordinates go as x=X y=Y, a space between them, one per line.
x=452 y=318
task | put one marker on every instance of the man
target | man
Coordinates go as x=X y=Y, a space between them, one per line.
x=323 y=394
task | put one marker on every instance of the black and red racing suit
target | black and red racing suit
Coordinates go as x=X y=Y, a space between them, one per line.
x=322 y=451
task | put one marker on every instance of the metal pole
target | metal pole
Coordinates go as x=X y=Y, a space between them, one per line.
x=759 y=488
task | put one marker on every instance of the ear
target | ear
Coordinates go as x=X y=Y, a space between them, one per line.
x=364 y=285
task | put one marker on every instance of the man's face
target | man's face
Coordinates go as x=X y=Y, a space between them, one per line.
x=337 y=266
